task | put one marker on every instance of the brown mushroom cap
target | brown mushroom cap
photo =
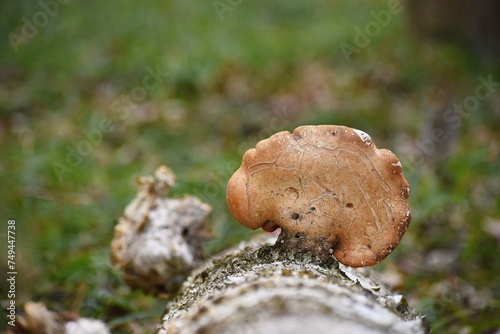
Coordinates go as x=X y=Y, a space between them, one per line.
x=329 y=189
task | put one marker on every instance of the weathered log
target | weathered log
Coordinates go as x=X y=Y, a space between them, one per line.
x=252 y=288
x=256 y=288
x=158 y=240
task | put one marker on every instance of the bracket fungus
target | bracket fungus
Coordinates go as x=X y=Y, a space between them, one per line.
x=159 y=239
x=328 y=188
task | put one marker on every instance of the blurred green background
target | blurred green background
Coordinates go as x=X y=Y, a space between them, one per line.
x=228 y=74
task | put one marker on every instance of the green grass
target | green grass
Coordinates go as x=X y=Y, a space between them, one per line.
x=226 y=82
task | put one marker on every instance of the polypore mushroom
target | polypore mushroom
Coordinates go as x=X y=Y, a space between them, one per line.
x=328 y=188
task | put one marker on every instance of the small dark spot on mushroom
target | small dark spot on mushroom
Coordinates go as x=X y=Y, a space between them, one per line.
x=313 y=209
x=296 y=136
x=349 y=205
x=297 y=236
x=295 y=216
x=185 y=232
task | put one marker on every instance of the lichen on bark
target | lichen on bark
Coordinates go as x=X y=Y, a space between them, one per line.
x=257 y=288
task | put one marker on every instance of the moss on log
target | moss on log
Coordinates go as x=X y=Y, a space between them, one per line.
x=255 y=288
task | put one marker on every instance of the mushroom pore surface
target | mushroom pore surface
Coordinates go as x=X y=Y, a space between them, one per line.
x=328 y=188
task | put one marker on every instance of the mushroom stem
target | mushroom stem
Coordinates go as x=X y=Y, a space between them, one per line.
x=292 y=240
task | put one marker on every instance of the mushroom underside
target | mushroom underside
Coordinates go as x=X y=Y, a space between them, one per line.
x=356 y=252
